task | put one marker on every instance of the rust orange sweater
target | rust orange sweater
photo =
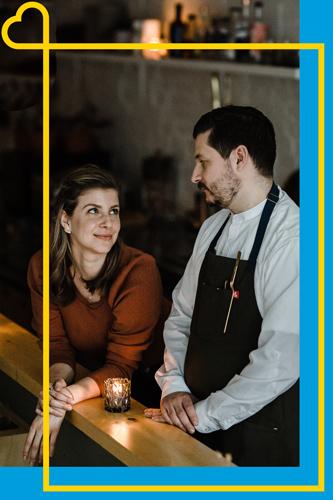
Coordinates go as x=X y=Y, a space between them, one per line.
x=108 y=336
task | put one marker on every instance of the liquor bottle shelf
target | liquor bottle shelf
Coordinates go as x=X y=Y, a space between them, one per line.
x=186 y=64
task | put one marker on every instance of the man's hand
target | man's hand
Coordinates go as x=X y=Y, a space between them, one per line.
x=33 y=447
x=176 y=409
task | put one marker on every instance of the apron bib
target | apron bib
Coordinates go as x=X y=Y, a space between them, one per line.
x=270 y=437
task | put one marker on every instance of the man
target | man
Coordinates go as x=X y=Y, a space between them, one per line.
x=231 y=363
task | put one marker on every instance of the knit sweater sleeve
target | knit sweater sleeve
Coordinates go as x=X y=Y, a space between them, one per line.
x=61 y=350
x=136 y=308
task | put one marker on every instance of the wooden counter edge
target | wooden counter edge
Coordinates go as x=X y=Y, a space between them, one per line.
x=20 y=359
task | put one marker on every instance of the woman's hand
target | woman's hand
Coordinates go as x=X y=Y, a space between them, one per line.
x=33 y=447
x=61 y=399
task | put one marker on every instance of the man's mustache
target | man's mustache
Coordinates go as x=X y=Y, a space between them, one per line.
x=201 y=186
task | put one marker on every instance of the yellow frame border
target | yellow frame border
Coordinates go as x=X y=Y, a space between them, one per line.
x=45 y=46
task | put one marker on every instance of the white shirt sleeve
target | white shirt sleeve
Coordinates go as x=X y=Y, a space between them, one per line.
x=170 y=377
x=274 y=365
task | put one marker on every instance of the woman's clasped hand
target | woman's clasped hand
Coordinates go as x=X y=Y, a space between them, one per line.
x=61 y=400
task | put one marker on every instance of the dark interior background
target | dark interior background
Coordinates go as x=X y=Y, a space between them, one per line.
x=132 y=118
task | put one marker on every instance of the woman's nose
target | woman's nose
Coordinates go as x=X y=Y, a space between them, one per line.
x=107 y=220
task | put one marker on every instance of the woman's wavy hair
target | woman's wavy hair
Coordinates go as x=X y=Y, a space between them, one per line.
x=75 y=183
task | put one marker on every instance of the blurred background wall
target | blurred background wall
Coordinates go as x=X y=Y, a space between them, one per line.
x=134 y=115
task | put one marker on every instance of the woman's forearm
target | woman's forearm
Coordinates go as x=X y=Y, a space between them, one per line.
x=85 y=388
x=61 y=370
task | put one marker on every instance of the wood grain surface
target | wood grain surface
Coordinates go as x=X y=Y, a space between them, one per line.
x=130 y=437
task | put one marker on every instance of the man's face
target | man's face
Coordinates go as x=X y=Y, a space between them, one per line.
x=214 y=175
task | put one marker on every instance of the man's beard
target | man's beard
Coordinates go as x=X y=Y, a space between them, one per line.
x=202 y=187
x=222 y=192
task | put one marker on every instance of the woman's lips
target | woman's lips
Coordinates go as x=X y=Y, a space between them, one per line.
x=105 y=237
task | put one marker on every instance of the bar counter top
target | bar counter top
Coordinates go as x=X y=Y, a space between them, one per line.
x=130 y=437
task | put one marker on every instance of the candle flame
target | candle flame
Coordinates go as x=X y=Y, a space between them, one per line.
x=118 y=388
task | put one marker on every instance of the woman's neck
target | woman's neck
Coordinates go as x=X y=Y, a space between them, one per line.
x=87 y=265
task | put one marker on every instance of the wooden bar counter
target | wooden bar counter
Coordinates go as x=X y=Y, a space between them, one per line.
x=130 y=438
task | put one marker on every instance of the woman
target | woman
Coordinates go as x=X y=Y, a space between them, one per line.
x=105 y=298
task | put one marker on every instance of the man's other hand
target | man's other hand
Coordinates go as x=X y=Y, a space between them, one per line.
x=177 y=409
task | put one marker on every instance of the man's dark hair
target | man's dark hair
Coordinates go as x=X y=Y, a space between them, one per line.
x=232 y=126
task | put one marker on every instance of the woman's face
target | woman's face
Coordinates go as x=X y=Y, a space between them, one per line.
x=94 y=225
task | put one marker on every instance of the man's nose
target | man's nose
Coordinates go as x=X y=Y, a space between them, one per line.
x=196 y=174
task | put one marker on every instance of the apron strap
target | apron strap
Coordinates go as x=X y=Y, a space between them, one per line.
x=217 y=236
x=272 y=199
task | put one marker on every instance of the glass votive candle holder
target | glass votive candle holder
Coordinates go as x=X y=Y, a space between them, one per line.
x=117 y=394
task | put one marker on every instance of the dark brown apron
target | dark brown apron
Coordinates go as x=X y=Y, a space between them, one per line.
x=271 y=436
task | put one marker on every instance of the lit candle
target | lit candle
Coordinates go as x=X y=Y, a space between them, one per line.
x=117 y=394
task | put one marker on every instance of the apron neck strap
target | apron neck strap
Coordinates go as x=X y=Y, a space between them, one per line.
x=272 y=199
x=217 y=236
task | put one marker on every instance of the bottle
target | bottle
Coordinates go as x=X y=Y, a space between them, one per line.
x=192 y=35
x=204 y=22
x=191 y=28
x=177 y=31
x=259 y=30
x=246 y=21
x=220 y=34
x=136 y=34
x=258 y=12
x=235 y=19
x=242 y=32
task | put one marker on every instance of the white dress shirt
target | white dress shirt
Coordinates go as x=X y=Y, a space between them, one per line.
x=274 y=366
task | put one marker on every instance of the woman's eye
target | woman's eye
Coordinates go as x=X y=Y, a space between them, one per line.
x=114 y=211
x=93 y=210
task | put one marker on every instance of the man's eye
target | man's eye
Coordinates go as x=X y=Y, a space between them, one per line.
x=93 y=211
